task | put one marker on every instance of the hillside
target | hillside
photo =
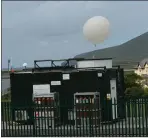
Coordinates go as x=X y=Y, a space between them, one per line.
x=127 y=54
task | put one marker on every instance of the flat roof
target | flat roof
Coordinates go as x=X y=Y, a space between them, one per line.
x=61 y=70
x=77 y=59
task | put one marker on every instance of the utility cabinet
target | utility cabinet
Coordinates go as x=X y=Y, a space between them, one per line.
x=46 y=111
x=87 y=109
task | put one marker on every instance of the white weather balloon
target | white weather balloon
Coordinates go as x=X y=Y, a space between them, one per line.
x=96 y=29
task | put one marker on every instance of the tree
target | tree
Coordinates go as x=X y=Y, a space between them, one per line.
x=132 y=80
x=133 y=85
x=145 y=92
x=134 y=92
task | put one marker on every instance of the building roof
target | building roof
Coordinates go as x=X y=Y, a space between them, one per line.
x=143 y=62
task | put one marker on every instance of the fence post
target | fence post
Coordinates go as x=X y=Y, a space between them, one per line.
x=34 y=133
x=89 y=114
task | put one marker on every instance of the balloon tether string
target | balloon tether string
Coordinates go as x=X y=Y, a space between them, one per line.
x=94 y=55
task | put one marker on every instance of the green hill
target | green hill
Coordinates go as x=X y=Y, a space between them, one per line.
x=127 y=54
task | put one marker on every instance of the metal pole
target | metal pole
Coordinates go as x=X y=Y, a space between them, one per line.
x=8 y=65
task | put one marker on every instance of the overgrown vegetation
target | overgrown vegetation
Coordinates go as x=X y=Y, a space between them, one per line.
x=133 y=85
x=6 y=97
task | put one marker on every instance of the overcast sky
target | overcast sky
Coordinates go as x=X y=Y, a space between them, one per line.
x=53 y=30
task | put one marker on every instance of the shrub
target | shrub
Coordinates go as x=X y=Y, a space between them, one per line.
x=134 y=92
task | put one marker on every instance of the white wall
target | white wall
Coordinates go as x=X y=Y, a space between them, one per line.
x=94 y=63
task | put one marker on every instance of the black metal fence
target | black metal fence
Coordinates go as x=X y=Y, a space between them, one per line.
x=83 y=121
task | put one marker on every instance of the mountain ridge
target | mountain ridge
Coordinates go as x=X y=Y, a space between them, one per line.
x=132 y=51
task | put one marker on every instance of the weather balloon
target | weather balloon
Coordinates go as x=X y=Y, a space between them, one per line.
x=96 y=29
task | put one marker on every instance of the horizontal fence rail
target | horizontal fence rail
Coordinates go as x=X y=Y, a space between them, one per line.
x=83 y=119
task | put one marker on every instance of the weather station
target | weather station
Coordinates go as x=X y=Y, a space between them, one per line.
x=87 y=109
x=46 y=111
x=82 y=79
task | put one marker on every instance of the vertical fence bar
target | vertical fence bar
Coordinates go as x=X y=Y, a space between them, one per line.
x=64 y=120
x=139 y=117
x=26 y=126
x=108 y=116
x=17 y=133
x=102 y=110
x=126 y=120
x=132 y=113
x=89 y=114
x=67 y=128
x=9 y=118
x=142 y=115
x=74 y=118
x=95 y=119
x=100 y=119
x=5 y=116
x=52 y=115
x=92 y=117
x=129 y=117
x=83 y=119
x=122 y=119
x=59 y=119
x=3 y=120
x=116 y=127
x=16 y=122
x=39 y=117
x=12 y=121
x=76 y=114
x=46 y=117
x=117 y=118
x=86 y=117
x=61 y=123
x=112 y=124
x=146 y=115
x=55 y=119
x=69 y=122
x=34 y=120
x=23 y=124
x=86 y=120
x=136 y=117
x=42 y=117
x=19 y=126
x=106 y=119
